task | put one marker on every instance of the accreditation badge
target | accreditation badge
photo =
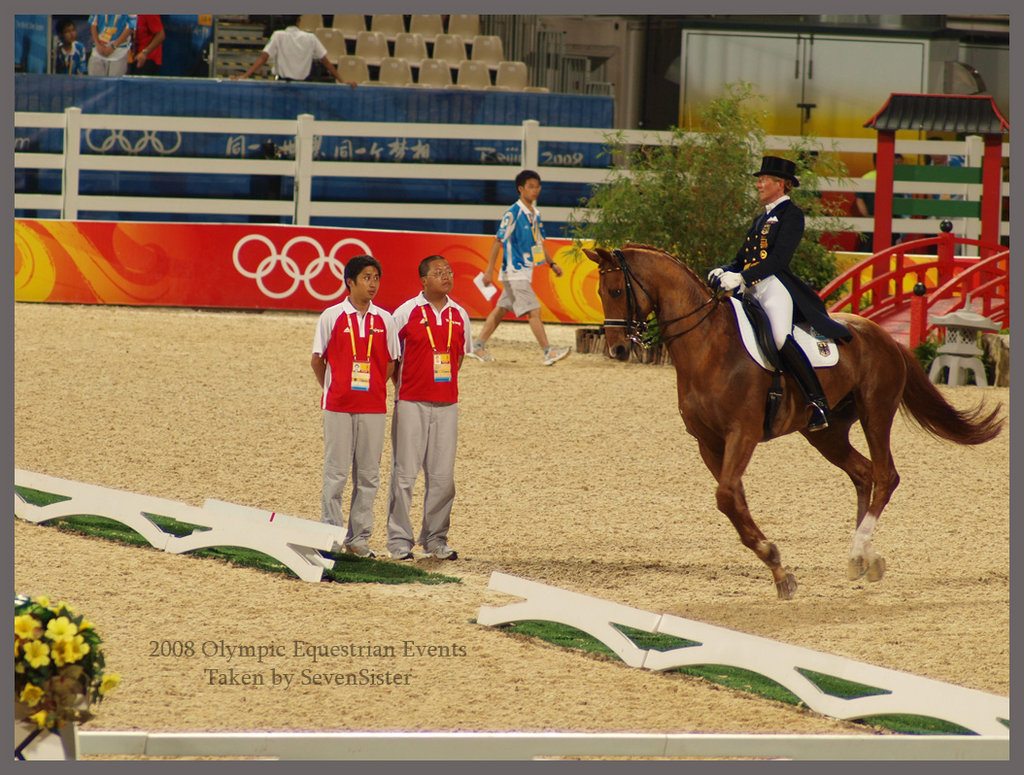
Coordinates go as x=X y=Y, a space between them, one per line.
x=442 y=367
x=538 y=254
x=361 y=376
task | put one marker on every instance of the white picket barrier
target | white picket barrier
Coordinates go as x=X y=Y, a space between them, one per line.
x=295 y=542
x=901 y=693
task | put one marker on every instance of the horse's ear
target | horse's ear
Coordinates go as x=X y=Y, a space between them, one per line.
x=597 y=255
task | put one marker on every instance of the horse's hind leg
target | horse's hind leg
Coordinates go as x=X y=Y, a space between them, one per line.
x=727 y=466
x=834 y=445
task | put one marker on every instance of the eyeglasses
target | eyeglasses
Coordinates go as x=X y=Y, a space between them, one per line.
x=445 y=275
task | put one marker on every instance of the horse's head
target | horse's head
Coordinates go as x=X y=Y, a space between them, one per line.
x=625 y=301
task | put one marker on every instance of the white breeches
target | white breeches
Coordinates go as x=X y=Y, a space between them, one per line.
x=773 y=297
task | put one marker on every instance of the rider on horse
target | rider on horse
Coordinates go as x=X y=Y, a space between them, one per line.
x=761 y=270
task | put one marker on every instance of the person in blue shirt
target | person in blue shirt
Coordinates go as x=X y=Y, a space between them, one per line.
x=111 y=42
x=520 y=238
x=71 y=57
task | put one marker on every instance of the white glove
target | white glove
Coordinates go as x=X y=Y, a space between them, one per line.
x=730 y=281
x=716 y=272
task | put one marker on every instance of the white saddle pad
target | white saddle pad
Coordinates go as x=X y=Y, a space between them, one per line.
x=821 y=351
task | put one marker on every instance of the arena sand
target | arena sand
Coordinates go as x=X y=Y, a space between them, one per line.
x=578 y=475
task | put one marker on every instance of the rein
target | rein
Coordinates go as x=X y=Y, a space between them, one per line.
x=635 y=329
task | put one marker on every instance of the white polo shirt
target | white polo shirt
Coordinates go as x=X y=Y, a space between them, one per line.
x=292 y=51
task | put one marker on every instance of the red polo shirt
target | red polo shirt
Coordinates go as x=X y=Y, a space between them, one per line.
x=424 y=332
x=345 y=338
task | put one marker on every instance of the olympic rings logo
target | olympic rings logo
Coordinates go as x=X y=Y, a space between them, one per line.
x=149 y=137
x=291 y=268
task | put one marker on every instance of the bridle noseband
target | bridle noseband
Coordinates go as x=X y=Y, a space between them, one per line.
x=635 y=328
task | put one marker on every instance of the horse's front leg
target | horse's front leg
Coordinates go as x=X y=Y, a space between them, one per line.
x=728 y=467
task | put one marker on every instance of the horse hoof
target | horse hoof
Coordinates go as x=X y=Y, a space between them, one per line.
x=787 y=587
x=856 y=568
x=876 y=569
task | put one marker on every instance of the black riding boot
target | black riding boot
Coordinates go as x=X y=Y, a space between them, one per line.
x=800 y=367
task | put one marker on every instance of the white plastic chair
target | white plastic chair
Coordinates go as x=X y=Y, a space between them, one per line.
x=434 y=73
x=410 y=46
x=394 y=72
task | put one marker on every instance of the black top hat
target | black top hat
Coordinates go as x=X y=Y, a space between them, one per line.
x=778 y=167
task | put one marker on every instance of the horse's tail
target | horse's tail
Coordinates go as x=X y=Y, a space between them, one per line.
x=923 y=401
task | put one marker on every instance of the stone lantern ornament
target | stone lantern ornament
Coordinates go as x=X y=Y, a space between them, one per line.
x=960 y=352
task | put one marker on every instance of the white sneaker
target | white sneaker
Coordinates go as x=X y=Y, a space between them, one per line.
x=480 y=351
x=359 y=550
x=444 y=552
x=555 y=354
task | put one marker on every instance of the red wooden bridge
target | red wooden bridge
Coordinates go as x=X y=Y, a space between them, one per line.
x=899 y=287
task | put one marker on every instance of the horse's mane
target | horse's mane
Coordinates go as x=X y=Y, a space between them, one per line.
x=641 y=246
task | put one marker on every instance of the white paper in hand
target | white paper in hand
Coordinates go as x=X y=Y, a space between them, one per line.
x=487 y=291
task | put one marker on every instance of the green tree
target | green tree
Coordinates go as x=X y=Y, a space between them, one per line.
x=694 y=195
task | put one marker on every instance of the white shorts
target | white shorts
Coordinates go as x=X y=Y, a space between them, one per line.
x=518 y=296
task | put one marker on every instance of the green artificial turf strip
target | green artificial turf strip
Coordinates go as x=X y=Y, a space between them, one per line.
x=735 y=678
x=347 y=568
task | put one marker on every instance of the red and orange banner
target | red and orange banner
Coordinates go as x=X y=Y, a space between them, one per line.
x=265 y=266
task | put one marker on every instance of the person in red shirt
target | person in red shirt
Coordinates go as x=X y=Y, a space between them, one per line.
x=148 y=46
x=354 y=352
x=433 y=332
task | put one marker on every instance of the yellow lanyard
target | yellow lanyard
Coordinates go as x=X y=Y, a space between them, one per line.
x=430 y=334
x=353 y=322
x=533 y=226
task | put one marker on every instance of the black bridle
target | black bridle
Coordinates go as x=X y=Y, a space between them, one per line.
x=636 y=328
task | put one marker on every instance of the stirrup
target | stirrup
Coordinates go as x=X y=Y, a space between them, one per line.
x=819 y=417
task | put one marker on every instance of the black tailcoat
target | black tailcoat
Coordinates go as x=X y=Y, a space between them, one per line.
x=768 y=249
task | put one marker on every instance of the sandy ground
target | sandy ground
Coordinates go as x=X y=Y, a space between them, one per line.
x=578 y=475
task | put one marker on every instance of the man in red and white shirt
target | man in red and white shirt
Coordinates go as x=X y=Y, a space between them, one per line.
x=354 y=352
x=434 y=334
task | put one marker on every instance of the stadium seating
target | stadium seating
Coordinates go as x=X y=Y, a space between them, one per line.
x=395 y=72
x=349 y=23
x=353 y=68
x=449 y=48
x=389 y=24
x=310 y=21
x=333 y=40
x=434 y=73
x=472 y=75
x=487 y=48
x=465 y=25
x=511 y=76
x=373 y=46
x=410 y=46
x=428 y=25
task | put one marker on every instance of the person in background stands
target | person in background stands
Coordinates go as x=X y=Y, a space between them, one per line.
x=111 y=42
x=71 y=58
x=293 y=52
x=148 y=48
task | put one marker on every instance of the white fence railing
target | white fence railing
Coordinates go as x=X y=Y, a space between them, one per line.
x=304 y=167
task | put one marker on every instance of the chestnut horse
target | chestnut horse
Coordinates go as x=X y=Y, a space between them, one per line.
x=722 y=394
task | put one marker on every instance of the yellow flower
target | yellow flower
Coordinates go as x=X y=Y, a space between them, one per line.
x=25 y=626
x=37 y=653
x=43 y=600
x=60 y=628
x=31 y=695
x=39 y=719
x=85 y=625
x=109 y=683
x=69 y=650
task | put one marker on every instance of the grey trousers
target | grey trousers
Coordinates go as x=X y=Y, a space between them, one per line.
x=353 y=441
x=423 y=436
